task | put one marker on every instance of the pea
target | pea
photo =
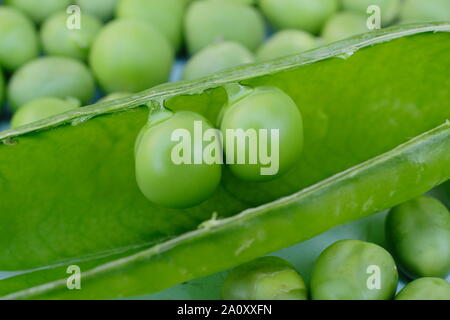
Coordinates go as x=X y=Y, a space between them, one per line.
x=38 y=11
x=42 y=108
x=306 y=15
x=102 y=9
x=265 y=110
x=344 y=25
x=286 y=43
x=215 y=58
x=354 y=270
x=209 y=21
x=59 y=40
x=425 y=11
x=18 y=39
x=418 y=233
x=51 y=77
x=266 y=278
x=389 y=8
x=166 y=16
x=114 y=96
x=163 y=179
x=130 y=56
x=425 y=289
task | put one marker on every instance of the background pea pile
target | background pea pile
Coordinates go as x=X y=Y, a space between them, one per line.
x=126 y=46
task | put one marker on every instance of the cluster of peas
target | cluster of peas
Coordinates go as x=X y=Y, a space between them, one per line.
x=418 y=236
x=135 y=49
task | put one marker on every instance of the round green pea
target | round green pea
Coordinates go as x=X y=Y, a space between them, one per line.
x=418 y=233
x=161 y=177
x=215 y=58
x=59 y=40
x=286 y=43
x=114 y=96
x=263 y=111
x=389 y=9
x=51 y=77
x=102 y=9
x=354 y=270
x=42 y=108
x=166 y=16
x=266 y=278
x=18 y=39
x=130 y=56
x=414 y=11
x=39 y=10
x=306 y=15
x=425 y=289
x=214 y=20
x=344 y=25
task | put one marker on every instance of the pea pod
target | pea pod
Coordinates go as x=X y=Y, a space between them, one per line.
x=418 y=233
x=425 y=289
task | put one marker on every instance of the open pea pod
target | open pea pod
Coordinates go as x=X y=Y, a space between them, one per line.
x=68 y=190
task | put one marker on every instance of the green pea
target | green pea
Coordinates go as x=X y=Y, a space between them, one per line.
x=59 y=40
x=102 y=9
x=163 y=179
x=166 y=16
x=389 y=9
x=266 y=278
x=130 y=56
x=286 y=43
x=215 y=58
x=354 y=270
x=39 y=10
x=268 y=111
x=425 y=11
x=51 y=77
x=42 y=108
x=344 y=25
x=18 y=39
x=114 y=96
x=306 y=15
x=425 y=289
x=418 y=233
x=209 y=21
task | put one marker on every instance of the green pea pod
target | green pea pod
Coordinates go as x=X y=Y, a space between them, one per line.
x=88 y=210
x=418 y=232
x=425 y=289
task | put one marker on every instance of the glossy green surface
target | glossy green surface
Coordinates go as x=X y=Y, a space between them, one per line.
x=348 y=269
x=98 y=147
x=103 y=9
x=59 y=40
x=418 y=233
x=39 y=10
x=286 y=43
x=42 y=108
x=149 y=56
x=425 y=11
x=389 y=9
x=266 y=278
x=51 y=77
x=266 y=109
x=344 y=25
x=215 y=58
x=209 y=21
x=425 y=289
x=18 y=39
x=160 y=177
x=299 y=14
x=166 y=16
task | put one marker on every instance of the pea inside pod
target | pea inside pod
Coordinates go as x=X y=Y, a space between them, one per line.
x=425 y=11
x=39 y=10
x=102 y=9
x=344 y=25
x=389 y=9
x=425 y=289
x=266 y=278
x=166 y=154
x=354 y=270
x=418 y=233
